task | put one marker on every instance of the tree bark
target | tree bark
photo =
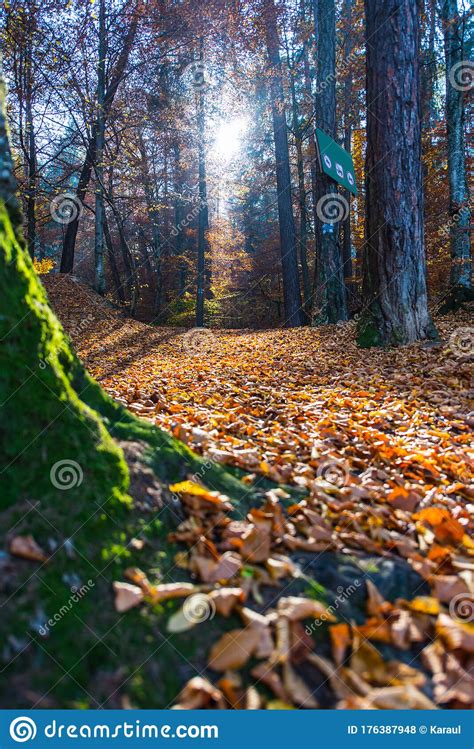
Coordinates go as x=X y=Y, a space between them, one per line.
x=154 y=220
x=394 y=274
x=347 y=229
x=330 y=304
x=179 y=215
x=203 y=217
x=99 y=280
x=294 y=315
x=456 y=87
x=113 y=262
x=303 y=210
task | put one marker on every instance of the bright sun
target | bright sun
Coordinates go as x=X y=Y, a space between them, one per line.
x=228 y=137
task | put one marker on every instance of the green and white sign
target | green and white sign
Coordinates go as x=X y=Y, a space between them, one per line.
x=335 y=161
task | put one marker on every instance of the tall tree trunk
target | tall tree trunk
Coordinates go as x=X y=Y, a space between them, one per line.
x=203 y=217
x=154 y=219
x=99 y=281
x=303 y=235
x=394 y=274
x=69 y=243
x=428 y=74
x=347 y=233
x=32 y=165
x=330 y=304
x=294 y=315
x=32 y=181
x=456 y=87
x=113 y=262
x=179 y=215
x=312 y=153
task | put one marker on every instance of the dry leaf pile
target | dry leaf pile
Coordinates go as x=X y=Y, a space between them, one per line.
x=380 y=442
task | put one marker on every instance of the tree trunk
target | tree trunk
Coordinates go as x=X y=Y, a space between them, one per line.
x=294 y=315
x=394 y=275
x=329 y=295
x=32 y=165
x=456 y=86
x=113 y=262
x=303 y=237
x=347 y=233
x=154 y=219
x=179 y=215
x=203 y=218
x=313 y=157
x=99 y=281
x=67 y=257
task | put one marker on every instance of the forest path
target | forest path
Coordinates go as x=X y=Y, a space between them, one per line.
x=283 y=403
x=377 y=439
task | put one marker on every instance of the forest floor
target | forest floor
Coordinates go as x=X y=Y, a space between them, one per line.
x=350 y=584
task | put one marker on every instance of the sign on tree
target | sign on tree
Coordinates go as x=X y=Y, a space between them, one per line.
x=335 y=161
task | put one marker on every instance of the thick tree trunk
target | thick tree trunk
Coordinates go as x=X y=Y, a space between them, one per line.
x=330 y=304
x=394 y=275
x=67 y=257
x=456 y=87
x=294 y=315
x=99 y=279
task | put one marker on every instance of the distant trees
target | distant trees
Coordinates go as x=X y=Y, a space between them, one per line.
x=115 y=107
x=394 y=275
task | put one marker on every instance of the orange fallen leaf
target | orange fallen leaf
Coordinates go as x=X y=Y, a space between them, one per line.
x=27 y=548
x=341 y=638
x=234 y=649
x=166 y=591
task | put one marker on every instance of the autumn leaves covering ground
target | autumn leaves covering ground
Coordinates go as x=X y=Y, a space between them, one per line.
x=349 y=584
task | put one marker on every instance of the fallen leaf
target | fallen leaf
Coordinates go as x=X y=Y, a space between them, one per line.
x=234 y=649
x=127 y=596
x=294 y=609
x=27 y=548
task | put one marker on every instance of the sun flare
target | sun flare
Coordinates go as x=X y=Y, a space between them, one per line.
x=228 y=138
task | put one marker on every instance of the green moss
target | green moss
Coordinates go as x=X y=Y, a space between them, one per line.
x=368 y=334
x=52 y=411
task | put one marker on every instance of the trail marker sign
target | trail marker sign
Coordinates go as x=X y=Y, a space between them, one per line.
x=335 y=161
